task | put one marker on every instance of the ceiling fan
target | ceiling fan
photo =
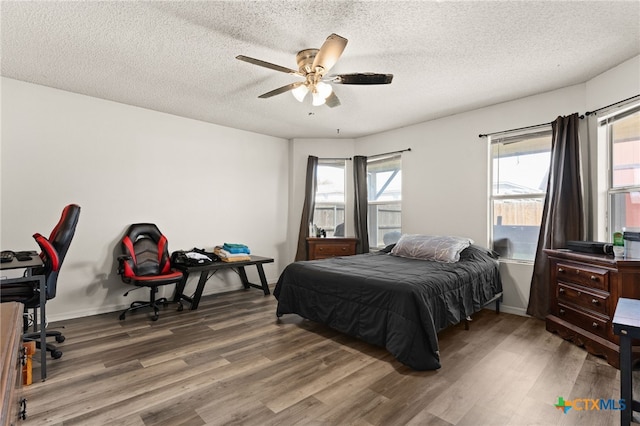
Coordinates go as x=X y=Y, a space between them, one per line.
x=313 y=66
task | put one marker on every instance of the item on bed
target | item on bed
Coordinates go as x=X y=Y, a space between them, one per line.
x=430 y=247
x=392 y=301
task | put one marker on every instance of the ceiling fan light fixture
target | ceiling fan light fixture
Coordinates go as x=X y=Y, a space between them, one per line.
x=324 y=89
x=300 y=92
x=318 y=99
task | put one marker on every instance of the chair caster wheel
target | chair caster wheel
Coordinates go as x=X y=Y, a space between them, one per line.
x=180 y=308
x=155 y=318
x=56 y=354
x=121 y=317
x=60 y=339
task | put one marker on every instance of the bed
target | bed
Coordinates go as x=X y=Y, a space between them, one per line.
x=396 y=302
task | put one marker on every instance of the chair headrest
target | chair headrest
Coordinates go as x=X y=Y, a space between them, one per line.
x=138 y=230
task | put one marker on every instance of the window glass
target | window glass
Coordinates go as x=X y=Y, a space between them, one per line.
x=520 y=171
x=625 y=150
x=384 y=181
x=622 y=131
x=330 y=197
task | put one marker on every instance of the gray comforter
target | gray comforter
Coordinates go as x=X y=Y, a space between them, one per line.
x=390 y=301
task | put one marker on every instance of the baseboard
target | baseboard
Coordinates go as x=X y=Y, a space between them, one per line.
x=513 y=310
x=116 y=308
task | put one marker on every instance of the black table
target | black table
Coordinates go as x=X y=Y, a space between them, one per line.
x=29 y=266
x=626 y=324
x=209 y=270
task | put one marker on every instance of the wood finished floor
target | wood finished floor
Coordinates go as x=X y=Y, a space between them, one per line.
x=233 y=362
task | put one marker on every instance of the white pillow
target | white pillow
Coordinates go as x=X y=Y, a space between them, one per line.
x=429 y=247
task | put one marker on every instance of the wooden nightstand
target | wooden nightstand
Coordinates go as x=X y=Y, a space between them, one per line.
x=322 y=248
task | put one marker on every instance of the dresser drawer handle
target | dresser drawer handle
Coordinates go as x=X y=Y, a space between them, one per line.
x=561 y=290
x=562 y=311
x=594 y=278
x=578 y=293
x=595 y=301
x=560 y=270
x=594 y=325
x=344 y=249
x=22 y=414
x=320 y=248
x=23 y=356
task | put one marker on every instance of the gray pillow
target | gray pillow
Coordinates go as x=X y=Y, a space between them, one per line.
x=431 y=247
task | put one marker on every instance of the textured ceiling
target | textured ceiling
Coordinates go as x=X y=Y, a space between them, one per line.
x=447 y=56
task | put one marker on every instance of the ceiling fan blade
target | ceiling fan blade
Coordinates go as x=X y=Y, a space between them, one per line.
x=267 y=64
x=330 y=52
x=332 y=100
x=280 y=90
x=362 y=78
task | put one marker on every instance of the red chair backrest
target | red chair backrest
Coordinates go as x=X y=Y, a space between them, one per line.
x=147 y=249
x=54 y=248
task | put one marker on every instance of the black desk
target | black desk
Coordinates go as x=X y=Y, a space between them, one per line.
x=29 y=266
x=626 y=324
x=209 y=270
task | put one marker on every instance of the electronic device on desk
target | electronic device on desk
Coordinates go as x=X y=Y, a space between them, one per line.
x=6 y=256
x=9 y=255
x=593 y=247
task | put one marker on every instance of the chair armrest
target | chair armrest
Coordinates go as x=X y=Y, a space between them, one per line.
x=49 y=251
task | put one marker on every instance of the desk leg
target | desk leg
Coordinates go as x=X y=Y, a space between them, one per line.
x=177 y=296
x=263 y=279
x=43 y=330
x=243 y=277
x=198 y=294
x=625 y=380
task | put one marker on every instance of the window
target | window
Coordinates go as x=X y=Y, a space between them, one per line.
x=520 y=171
x=329 y=211
x=384 y=188
x=622 y=132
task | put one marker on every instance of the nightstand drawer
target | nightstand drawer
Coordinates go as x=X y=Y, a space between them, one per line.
x=584 y=297
x=588 y=322
x=333 y=249
x=583 y=275
x=322 y=248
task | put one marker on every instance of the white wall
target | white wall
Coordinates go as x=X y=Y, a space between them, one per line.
x=445 y=176
x=201 y=184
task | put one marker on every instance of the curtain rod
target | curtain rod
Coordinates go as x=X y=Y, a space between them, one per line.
x=335 y=158
x=588 y=113
x=389 y=153
x=513 y=130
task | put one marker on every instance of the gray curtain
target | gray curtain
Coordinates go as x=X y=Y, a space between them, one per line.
x=361 y=203
x=563 y=213
x=308 y=207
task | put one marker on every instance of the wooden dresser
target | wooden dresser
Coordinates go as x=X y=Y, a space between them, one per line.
x=583 y=295
x=322 y=248
x=13 y=405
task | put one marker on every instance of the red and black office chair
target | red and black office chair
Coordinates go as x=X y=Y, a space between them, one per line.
x=54 y=251
x=146 y=263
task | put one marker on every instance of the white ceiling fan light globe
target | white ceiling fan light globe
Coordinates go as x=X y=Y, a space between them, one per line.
x=300 y=92
x=318 y=99
x=324 y=89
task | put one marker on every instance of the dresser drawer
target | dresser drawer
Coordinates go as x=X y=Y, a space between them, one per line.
x=334 y=249
x=584 y=275
x=589 y=322
x=584 y=297
x=322 y=248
